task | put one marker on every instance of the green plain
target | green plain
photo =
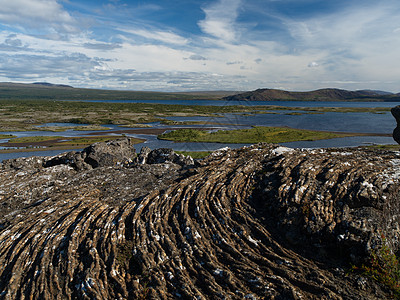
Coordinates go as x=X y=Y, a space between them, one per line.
x=6 y=136
x=250 y=136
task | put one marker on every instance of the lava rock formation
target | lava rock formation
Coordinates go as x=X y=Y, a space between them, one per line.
x=259 y=222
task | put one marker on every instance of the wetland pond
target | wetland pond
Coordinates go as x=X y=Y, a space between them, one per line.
x=379 y=126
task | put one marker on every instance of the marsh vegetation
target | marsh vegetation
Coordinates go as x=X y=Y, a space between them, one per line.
x=22 y=115
x=35 y=115
x=254 y=135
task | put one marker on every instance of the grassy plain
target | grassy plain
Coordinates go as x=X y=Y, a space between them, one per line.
x=254 y=135
x=56 y=142
x=75 y=128
x=6 y=136
x=27 y=115
x=21 y=115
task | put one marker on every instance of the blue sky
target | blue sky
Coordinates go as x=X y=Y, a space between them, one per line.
x=182 y=45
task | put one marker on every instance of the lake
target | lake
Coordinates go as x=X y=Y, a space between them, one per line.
x=255 y=103
x=382 y=123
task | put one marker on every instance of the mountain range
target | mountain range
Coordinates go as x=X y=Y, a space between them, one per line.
x=328 y=94
x=45 y=90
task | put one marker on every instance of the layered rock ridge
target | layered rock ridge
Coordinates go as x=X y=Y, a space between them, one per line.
x=260 y=222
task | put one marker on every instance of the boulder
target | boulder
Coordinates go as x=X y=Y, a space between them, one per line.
x=163 y=155
x=110 y=153
x=102 y=154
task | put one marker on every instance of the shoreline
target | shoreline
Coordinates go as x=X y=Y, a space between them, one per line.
x=51 y=144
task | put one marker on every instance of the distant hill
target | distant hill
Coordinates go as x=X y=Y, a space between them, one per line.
x=49 y=91
x=328 y=94
x=52 y=85
x=375 y=92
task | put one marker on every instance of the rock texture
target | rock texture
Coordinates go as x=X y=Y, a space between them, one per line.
x=261 y=222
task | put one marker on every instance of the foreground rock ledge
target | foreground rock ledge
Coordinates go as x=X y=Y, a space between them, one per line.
x=257 y=222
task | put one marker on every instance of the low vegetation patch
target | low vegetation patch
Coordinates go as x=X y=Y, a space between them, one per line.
x=195 y=154
x=75 y=128
x=384 y=267
x=390 y=147
x=6 y=136
x=250 y=136
x=23 y=115
x=34 y=139
x=60 y=142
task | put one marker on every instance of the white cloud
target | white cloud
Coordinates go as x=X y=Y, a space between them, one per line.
x=354 y=48
x=220 y=19
x=34 y=14
x=160 y=36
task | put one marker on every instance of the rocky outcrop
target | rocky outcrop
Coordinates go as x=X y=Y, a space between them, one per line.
x=97 y=155
x=163 y=155
x=260 y=222
x=396 y=132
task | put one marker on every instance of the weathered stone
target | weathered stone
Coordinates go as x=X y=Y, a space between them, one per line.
x=110 y=153
x=97 y=155
x=163 y=155
x=255 y=222
x=143 y=155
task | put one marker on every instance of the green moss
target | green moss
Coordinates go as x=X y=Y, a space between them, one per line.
x=383 y=267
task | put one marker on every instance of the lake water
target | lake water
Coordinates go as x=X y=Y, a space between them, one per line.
x=255 y=103
x=342 y=122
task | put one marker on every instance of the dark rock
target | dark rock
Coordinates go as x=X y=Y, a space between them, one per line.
x=100 y=154
x=396 y=132
x=110 y=153
x=22 y=163
x=73 y=159
x=163 y=155
x=143 y=155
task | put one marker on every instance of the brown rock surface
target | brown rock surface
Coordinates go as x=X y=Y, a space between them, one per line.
x=262 y=222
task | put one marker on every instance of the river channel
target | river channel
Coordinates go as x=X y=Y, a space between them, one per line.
x=374 y=123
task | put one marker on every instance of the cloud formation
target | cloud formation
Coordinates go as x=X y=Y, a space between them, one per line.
x=220 y=19
x=37 y=14
x=195 y=45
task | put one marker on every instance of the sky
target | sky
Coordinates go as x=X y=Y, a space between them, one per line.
x=191 y=45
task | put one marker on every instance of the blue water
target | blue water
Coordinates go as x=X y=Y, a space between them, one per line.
x=330 y=121
x=254 y=103
x=342 y=122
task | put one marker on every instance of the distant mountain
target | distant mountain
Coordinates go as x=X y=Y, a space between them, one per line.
x=375 y=92
x=47 y=84
x=328 y=94
x=50 y=91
